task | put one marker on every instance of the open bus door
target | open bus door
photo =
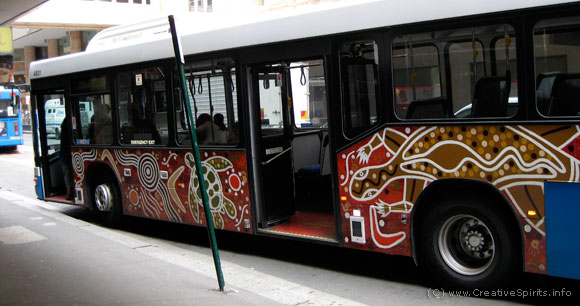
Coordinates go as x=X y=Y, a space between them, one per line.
x=50 y=112
x=290 y=203
x=277 y=181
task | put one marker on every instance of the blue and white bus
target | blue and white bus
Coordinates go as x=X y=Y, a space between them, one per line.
x=10 y=118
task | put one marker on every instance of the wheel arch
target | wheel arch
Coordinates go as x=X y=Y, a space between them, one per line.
x=460 y=189
x=94 y=169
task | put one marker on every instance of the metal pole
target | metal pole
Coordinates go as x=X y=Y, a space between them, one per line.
x=195 y=147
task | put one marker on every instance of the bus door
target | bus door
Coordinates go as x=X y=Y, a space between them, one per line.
x=276 y=167
x=50 y=111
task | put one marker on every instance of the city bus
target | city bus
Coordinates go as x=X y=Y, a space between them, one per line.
x=10 y=118
x=450 y=135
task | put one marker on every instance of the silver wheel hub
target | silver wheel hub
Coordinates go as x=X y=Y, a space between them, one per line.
x=466 y=245
x=104 y=198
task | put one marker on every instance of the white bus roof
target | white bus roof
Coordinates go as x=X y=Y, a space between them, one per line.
x=199 y=33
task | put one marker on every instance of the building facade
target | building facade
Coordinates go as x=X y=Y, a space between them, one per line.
x=60 y=27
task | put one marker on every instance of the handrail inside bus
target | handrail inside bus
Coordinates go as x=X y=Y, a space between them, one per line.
x=277 y=155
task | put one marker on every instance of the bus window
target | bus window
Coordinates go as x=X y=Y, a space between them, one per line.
x=359 y=71
x=93 y=119
x=557 y=58
x=467 y=63
x=142 y=105
x=91 y=105
x=212 y=93
x=416 y=73
x=308 y=94
x=456 y=73
x=8 y=108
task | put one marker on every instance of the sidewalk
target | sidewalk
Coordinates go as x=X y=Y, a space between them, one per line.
x=52 y=259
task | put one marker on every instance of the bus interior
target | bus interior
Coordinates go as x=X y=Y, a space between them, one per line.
x=290 y=125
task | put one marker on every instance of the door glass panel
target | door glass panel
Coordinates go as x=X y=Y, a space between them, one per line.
x=271 y=114
x=54 y=138
x=54 y=113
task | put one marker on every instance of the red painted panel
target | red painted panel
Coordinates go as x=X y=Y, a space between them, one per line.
x=162 y=184
x=381 y=177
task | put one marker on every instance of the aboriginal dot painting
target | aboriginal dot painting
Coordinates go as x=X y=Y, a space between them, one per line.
x=164 y=185
x=381 y=177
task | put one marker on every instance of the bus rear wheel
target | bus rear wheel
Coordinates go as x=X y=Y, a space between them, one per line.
x=469 y=245
x=106 y=199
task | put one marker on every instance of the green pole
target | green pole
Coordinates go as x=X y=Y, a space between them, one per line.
x=195 y=147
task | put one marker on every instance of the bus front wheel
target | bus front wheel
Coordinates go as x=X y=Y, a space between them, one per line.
x=469 y=245
x=106 y=199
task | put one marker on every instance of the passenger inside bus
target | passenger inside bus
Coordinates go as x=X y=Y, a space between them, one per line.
x=141 y=126
x=218 y=119
x=211 y=132
x=101 y=129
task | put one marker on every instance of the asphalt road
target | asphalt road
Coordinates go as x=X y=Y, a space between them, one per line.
x=330 y=274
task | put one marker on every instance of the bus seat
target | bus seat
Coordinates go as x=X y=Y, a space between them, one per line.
x=428 y=109
x=316 y=169
x=491 y=95
x=544 y=86
x=313 y=182
x=565 y=99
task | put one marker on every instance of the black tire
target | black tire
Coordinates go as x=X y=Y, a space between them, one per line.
x=469 y=244
x=105 y=197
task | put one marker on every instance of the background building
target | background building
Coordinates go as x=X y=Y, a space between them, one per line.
x=59 y=27
x=48 y=28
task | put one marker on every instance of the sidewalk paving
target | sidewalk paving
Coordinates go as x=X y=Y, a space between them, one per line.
x=49 y=258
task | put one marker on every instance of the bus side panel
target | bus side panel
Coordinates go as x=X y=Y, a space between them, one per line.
x=562 y=229
x=374 y=208
x=162 y=184
x=382 y=176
